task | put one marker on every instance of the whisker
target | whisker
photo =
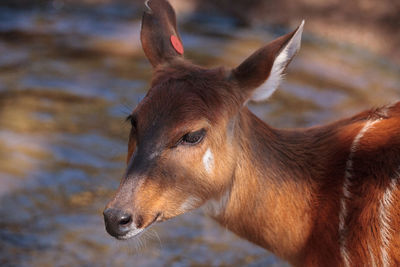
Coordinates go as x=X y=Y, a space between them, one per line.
x=155 y=234
x=128 y=107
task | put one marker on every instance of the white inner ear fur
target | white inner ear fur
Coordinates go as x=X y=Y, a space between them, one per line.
x=148 y=8
x=208 y=160
x=265 y=90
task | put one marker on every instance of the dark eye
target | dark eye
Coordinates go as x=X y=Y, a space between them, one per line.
x=193 y=138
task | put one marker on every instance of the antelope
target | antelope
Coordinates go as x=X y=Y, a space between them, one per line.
x=321 y=196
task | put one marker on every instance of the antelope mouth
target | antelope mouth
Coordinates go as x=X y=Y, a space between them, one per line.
x=133 y=231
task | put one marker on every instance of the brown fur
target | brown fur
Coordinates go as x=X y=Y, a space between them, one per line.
x=280 y=189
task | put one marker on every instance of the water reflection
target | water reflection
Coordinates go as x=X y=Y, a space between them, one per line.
x=67 y=80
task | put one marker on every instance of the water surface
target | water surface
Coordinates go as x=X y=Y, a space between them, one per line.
x=68 y=78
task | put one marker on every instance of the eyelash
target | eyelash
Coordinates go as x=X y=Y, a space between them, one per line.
x=193 y=138
x=132 y=120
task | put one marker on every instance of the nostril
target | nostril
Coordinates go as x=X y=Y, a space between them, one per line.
x=125 y=220
x=117 y=222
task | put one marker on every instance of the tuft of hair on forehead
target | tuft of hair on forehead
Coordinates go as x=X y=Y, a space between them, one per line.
x=208 y=91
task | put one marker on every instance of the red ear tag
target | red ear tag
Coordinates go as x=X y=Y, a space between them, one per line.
x=177 y=44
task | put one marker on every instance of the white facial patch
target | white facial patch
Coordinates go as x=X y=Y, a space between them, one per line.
x=208 y=160
x=216 y=207
x=189 y=204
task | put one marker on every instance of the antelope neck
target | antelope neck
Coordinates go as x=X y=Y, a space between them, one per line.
x=272 y=198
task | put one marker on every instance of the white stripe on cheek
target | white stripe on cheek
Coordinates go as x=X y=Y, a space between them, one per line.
x=208 y=160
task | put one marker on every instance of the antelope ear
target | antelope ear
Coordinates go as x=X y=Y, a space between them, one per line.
x=159 y=36
x=260 y=74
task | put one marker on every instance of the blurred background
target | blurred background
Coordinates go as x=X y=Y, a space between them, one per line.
x=72 y=70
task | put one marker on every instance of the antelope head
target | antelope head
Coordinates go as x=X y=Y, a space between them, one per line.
x=185 y=134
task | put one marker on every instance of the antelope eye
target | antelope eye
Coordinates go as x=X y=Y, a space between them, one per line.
x=193 y=138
